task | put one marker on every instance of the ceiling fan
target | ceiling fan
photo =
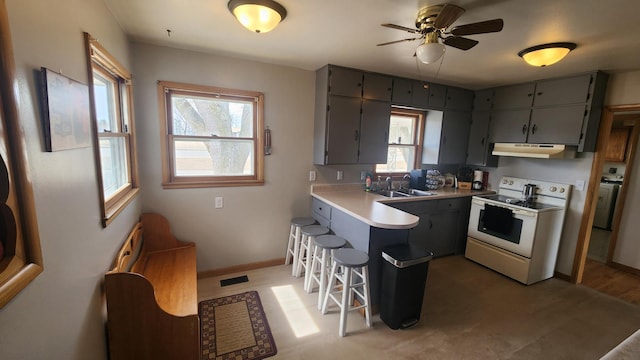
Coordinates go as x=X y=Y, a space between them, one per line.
x=432 y=25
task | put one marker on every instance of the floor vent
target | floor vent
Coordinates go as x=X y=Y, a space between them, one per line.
x=235 y=280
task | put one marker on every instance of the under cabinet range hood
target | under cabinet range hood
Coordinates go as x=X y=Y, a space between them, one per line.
x=537 y=151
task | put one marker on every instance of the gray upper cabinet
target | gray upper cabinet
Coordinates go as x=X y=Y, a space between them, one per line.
x=459 y=99
x=483 y=100
x=416 y=93
x=571 y=90
x=377 y=87
x=553 y=111
x=351 y=116
x=437 y=96
x=343 y=130
x=374 y=137
x=402 y=91
x=514 y=96
x=479 y=148
x=345 y=82
x=453 y=139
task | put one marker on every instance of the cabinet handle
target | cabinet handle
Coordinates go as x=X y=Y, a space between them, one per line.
x=430 y=224
x=534 y=128
x=359 y=84
x=356 y=136
x=482 y=142
x=524 y=128
x=530 y=94
x=538 y=94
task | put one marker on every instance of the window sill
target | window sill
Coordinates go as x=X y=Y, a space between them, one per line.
x=112 y=211
x=208 y=184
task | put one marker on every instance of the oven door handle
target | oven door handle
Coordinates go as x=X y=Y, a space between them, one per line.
x=514 y=210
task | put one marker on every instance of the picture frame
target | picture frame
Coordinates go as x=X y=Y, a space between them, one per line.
x=65 y=105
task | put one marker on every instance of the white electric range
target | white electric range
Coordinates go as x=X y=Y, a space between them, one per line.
x=518 y=238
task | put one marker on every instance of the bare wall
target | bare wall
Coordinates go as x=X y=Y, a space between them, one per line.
x=60 y=315
x=254 y=223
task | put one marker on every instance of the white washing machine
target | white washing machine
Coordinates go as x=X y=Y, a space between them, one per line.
x=607 y=197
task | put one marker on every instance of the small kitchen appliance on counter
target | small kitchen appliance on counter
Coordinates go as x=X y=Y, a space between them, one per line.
x=517 y=231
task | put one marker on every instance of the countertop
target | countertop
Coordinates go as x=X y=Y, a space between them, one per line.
x=370 y=208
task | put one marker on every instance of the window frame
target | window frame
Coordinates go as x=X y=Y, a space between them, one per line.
x=418 y=132
x=169 y=179
x=101 y=61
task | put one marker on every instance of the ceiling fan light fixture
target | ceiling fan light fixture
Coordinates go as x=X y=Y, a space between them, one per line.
x=431 y=50
x=546 y=54
x=259 y=16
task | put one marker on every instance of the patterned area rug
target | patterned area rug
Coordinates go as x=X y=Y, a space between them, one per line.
x=235 y=327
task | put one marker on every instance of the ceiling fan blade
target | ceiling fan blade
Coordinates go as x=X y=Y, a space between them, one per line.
x=398 y=27
x=460 y=42
x=397 y=41
x=447 y=16
x=482 y=27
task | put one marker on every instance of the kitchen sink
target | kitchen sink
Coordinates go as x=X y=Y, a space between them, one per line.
x=403 y=193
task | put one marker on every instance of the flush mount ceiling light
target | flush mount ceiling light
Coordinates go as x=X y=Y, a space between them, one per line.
x=259 y=16
x=546 y=54
x=431 y=50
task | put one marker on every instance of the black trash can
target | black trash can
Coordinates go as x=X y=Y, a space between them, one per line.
x=404 y=276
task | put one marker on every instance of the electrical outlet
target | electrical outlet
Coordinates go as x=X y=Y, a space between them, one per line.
x=219 y=202
x=339 y=175
x=580 y=185
x=363 y=175
x=312 y=175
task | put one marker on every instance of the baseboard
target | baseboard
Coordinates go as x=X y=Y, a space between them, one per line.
x=240 y=268
x=562 y=276
x=624 y=268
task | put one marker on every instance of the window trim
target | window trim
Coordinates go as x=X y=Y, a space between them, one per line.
x=169 y=179
x=98 y=56
x=420 y=117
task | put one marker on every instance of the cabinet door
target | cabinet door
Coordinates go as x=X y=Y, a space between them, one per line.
x=483 y=100
x=617 y=144
x=374 y=131
x=377 y=87
x=442 y=237
x=478 y=147
x=402 y=89
x=459 y=99
x=345 y=82
x=557 y=125
x=437 y=95
x=420 y=94
x=509 y=126
x=454 y=137
x=343 y=130
x=513 y=97
x=571 y=90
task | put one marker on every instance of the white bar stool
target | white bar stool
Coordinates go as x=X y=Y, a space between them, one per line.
x=293 y=247
x=309 y=233
x=321 y=263
x=354 y=264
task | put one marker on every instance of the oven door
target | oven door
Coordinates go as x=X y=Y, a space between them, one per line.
x=517 y=237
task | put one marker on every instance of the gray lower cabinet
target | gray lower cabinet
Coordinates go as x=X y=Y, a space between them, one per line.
x=363 y=237
x=443 y=224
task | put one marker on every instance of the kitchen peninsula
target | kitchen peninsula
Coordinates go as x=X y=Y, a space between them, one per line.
x=370 y=222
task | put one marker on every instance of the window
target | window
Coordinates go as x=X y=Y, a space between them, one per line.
x=212 y=136
x=405 y=141
x=110 y=92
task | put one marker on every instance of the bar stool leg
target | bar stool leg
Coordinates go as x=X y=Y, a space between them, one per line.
x=296 y=252
x=322 y=288
x=365 y=289
x=347 y=297
x=289 y=255
x=303 y=253
x=330 y=286
x=311 y=249
x=308 y=284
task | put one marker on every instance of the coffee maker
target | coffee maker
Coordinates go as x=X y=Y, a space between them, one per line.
x=478 y=180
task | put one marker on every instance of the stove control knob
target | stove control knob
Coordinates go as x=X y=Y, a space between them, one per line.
x=561 y=190
x=553 y=189
x=504 y=181
x=510 y=182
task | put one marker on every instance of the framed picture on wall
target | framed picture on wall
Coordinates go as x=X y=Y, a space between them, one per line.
x=65 y=104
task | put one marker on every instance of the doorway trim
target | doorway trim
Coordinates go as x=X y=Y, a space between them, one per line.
x=584 y=235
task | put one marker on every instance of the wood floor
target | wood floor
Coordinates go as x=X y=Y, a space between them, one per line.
x=469 y=312
x=611 y=281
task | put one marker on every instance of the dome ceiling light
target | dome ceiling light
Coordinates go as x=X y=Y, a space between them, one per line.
x=259 y=16
x=546 y=54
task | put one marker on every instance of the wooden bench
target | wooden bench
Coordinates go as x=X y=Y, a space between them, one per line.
x=152 y=297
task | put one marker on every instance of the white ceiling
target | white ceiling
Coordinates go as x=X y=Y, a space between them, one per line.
x=345 y=32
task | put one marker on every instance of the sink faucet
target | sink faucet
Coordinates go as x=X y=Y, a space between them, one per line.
x=388 y=181
x=405 y=179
